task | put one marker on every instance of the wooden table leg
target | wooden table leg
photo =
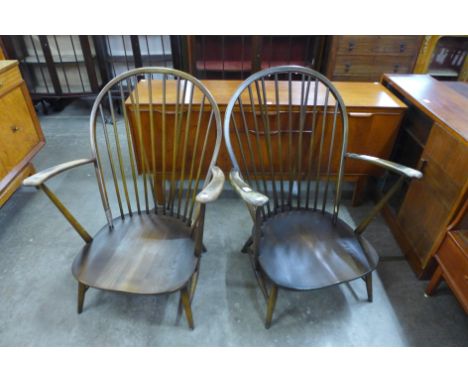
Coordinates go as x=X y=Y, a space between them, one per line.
x=435 y=281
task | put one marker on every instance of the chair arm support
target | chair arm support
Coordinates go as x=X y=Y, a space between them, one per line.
x=212 y=191
x=251 y=197
x=39 y=178
x=392 y=166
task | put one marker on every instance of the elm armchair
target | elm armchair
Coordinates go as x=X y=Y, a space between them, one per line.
x=286 y=131
x=155 y=137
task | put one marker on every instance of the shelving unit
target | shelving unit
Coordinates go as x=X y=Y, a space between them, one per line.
x=56 y=67
x=122 y=53
x=444 y=57
x=236 y=57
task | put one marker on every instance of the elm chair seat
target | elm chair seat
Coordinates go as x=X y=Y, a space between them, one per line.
x=304 y=250
x=144 y=254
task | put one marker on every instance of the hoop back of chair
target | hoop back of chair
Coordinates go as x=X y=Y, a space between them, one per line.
x=286 y=131
x=155 y=133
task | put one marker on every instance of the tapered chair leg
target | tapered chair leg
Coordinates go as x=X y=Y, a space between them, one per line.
x=247 y=245
x=82 y=288
x=193 y=283
x=271 y=305
x=185 y=298
x=368 y=280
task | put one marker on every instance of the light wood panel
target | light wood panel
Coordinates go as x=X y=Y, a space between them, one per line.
x=374 y=118
x=20 y=133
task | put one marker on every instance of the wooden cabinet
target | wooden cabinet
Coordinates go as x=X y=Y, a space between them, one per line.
x=20 y=133
x=452 y=259
x=237 y=57
x=366 y=58
x=444 y=57
x=374 y=119
x=433 y=138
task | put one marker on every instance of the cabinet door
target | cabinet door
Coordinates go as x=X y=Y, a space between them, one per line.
x=371 y=133
x=18 y=133
x=431 y=201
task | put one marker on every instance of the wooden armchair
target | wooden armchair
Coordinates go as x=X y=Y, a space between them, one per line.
x=154 y=172
x=286 y=131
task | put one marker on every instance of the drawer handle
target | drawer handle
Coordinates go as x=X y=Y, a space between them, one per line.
x=356 y=114
x=402 y=47
x=396 y=67
x=347 y=67
x=350 y=46
x=465 y=277
x=14 y=128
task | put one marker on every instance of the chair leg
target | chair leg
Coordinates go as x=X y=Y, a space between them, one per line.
x=368 y=280
x=185 y=298
x=194 y=282
x=247 y=245
x=82 y=288
x=271 y=305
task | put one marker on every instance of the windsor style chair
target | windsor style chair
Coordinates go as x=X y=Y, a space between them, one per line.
x=286 y=131
x=150 y=164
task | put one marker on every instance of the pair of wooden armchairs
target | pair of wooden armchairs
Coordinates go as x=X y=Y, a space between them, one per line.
x=155 y=137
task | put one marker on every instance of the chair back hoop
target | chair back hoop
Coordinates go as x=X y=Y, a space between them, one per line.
x=280 y=130
x=151 y=134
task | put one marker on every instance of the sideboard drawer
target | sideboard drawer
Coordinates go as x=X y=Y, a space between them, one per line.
x=452 y=257
x=357 y=45
x=18 y=133
x=365 y=65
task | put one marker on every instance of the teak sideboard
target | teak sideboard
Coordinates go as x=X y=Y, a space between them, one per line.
x=374 y=119
x=20 y=133
x=433 y=138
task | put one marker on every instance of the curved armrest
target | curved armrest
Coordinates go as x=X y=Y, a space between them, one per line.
x=39 y=178
x=211 y=192
x=392 y=166
x=249 y=196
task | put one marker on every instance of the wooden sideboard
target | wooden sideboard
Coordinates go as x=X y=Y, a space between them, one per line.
x=433 y=138
x=20 y=133
x=374 y=119
x=366 y=58
x=452 y=259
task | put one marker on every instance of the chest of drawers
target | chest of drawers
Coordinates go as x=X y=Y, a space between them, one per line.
x=366 y=58
x=20 y=133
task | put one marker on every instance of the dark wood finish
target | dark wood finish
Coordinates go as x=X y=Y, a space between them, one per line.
x=434 y=138
x=452 y=259
x=21 y=136
x=299 y=248
x=282 y=171
x=136 y=51
x=90 y=63
x=50 y=65
x=142 y=242
x=366 y=58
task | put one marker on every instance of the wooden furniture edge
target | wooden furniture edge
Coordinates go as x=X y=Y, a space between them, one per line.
x=16 y=183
